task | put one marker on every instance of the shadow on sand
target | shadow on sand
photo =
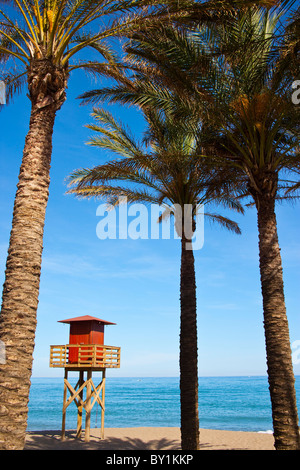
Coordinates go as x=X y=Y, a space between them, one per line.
x=51 y=440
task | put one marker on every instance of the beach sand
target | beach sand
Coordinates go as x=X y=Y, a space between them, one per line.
x=148 y=439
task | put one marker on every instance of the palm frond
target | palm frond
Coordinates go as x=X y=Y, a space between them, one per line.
x=224 y=222
x=113 y=134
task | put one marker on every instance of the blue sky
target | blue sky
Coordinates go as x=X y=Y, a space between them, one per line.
x=135 y=283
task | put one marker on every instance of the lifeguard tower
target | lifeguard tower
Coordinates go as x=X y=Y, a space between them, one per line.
x=85 y=353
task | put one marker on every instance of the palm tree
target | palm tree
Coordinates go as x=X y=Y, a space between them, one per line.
x=43 y=37
x=261 y=140
x=173 y=175
x=232 y=78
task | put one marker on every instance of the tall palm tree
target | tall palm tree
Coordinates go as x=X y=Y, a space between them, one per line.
x=171 y=173
x=43 y=37
x=261 y=140
x=232 y=77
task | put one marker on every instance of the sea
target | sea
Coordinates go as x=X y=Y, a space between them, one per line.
x=227 y=403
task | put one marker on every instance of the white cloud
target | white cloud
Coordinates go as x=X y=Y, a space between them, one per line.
x=84 y=267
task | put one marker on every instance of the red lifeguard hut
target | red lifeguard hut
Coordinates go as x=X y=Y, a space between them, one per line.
x=85 y=330
x=85 y=352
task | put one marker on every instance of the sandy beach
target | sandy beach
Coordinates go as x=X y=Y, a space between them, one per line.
x=148 y=439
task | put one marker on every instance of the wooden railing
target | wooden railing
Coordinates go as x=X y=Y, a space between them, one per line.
x=84 y=355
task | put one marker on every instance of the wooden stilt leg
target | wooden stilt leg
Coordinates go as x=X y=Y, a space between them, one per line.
x=63 y=427
x=103 y=405
x=97 y=396
x=88 y=406
x=79 y=414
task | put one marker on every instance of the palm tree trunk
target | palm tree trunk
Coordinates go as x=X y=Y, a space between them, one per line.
x=279 y=357
x=22 y=278
x=47 y=84
x=188 y=352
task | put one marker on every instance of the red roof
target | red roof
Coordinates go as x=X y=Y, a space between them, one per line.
x=86 y=318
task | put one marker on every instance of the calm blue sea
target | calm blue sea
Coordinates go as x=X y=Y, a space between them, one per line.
x=232 y=403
